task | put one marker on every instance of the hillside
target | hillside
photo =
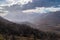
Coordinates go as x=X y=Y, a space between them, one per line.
x=48 y=21
x=45 y=21
x=47 y=26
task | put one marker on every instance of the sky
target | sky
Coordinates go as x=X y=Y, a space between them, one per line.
x=15 y=8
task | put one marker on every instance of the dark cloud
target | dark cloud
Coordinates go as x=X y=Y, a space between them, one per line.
x=34 y=4
x=41 y=3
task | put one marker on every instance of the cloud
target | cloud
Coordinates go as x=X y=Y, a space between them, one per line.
x=41 y=3
x=12 y=2
x=31 y=3
x=15 y=9
x=18 y=9
x=32 y=6
x=42 y=10
x=3 y=12
x=1 y=8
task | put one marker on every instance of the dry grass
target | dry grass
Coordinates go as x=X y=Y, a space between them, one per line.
x=17 y=38
x=24 y=38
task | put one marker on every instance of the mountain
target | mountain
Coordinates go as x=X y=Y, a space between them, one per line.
x=49 y=21
x=15 y=28
x=4 y=21
x=45 y=21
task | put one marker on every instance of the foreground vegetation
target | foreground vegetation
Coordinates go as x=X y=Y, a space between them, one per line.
x=43 y=36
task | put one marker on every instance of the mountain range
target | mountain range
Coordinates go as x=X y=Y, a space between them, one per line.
x=45 y=21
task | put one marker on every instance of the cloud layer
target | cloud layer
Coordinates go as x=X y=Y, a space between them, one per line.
x=42 y=10
x=12 y=2
x=3 y=12
x=18 y=7
x=41 y=6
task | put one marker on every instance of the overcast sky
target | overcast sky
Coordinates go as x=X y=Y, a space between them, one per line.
x=16 y=7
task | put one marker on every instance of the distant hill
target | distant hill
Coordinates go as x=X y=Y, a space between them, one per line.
x=15 y=28
x=49 y=21
x=45 y=21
